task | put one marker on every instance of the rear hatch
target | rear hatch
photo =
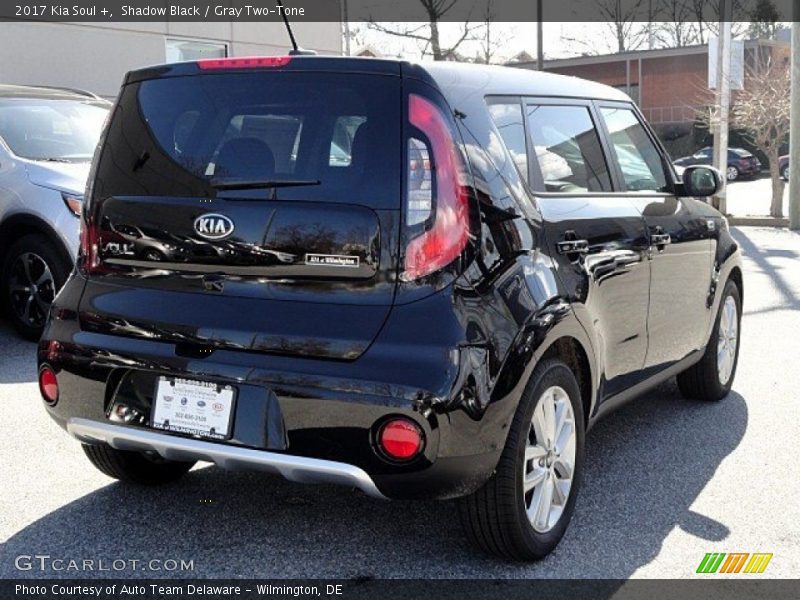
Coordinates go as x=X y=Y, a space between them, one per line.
x=255 y=207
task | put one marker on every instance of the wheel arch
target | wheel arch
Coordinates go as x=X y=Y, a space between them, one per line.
x=18 y=226
x=573 y=353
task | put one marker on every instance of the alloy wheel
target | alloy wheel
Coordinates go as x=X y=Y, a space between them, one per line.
x=549 y=459
x=32 y=289
x=727 y=340
x=732 y=173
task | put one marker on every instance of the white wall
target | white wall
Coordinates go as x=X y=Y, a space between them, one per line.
x=95 y=56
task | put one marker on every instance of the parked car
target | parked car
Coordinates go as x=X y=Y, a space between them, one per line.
x=47 y=137
x=783 y=167
x=449 y=334
x=741 y=163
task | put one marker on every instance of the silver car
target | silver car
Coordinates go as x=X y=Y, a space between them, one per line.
x=47 y=138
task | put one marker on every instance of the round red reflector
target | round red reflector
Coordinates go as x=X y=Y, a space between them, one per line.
x=400 y=439
x=48 y=385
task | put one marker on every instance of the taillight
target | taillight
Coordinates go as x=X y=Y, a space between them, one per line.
x=244 y=62
x=89 y=258
x=434 y=185
x=48 y=385
x=400 y=439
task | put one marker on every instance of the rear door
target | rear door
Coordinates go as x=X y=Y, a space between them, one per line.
x=679 y=234
x=249 y=209
x=598 y=237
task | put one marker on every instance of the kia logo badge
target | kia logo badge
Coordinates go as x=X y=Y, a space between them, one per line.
x=213 y=226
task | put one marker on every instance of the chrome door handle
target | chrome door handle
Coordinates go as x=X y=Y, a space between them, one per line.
x=660 y=239
x=573 y=247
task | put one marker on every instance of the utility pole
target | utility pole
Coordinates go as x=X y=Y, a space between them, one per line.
x=346 y=25
x=794 y=131
x=539 y=36
x=723 y=100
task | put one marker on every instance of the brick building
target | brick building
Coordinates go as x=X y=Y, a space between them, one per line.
x=670 y=85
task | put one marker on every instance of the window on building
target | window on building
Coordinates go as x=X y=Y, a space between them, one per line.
x=567 y=149
x=632 y=91
x=637 y=155
x=507 y=117
x=186 y=50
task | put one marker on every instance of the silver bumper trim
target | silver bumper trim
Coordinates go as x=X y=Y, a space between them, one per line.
x=293 y=468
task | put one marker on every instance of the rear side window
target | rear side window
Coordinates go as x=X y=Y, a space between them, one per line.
x=637 y=155
x=567 y=149
x=507 y=117
x=178 y=136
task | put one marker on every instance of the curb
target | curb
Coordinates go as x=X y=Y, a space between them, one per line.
x=757 y=221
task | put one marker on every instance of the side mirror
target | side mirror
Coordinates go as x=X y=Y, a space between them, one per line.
x=701 y=181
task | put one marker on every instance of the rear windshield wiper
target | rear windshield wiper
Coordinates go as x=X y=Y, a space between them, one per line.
x=260 y=184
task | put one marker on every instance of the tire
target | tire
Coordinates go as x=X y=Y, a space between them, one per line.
x=495 y=517
x=135 y=467
x=732 y=173
x=785 y=173
x=709 y=379
x=32 y=274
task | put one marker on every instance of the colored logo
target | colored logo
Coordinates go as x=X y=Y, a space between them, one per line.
x=184 y=401
x=201 y=403
x=734 y=562
x=218 y=406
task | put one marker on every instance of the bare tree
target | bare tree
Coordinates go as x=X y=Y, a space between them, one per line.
x=428 y=33
x=623 y=17
x=488 y=45
x=706 y=15
x=761 y=111
x=764 y=21
x=677 y=29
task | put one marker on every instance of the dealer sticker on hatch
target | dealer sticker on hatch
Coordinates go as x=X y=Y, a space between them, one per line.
x=200 y=408
x=332 y=260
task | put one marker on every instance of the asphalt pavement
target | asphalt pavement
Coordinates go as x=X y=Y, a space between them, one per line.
x=667 y=480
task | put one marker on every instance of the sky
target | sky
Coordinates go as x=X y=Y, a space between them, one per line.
x=559 y=39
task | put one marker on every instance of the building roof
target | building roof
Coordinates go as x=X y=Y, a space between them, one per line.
x=594 y=59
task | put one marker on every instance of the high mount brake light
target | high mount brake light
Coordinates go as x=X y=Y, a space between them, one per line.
x=447 y=237
x=244 y=62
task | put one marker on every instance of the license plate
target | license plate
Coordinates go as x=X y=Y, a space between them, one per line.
x=200 y=408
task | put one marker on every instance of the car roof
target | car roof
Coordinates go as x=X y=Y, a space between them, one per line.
x=516 y=81
x=45 y=93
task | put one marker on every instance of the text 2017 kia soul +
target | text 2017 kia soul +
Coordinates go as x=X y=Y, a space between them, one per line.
x=421 y=281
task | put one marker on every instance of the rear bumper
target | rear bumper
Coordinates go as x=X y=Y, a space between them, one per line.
x=290 y=410
x=294 y=468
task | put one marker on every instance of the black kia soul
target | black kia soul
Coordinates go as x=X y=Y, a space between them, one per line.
x=420 y=281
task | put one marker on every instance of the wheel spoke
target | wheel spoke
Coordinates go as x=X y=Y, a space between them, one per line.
x=560 y=492
x=26 y=266
x=564 y=468
x=549 y=419
x=27 y=311
x=542 y=518
x=565 y=435
x=533 y=479
x=534 y=452
x=539 y=424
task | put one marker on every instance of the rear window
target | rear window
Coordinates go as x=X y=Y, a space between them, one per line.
x=184 y=133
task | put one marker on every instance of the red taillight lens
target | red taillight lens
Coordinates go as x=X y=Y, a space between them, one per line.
x=244 y=62
x=447 y=237
x=89 y=254
x=48 y=385
x=400 y=439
